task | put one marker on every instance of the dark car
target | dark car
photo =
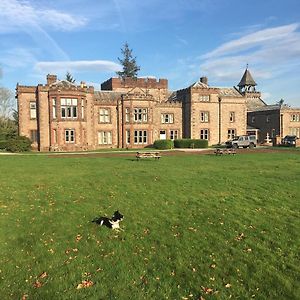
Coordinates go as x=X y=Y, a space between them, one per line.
x=289 y=140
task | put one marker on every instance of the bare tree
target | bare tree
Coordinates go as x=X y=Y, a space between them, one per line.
x=7 y=103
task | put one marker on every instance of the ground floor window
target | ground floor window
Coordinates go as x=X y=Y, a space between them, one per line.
x=140 y=136
x=231 y=133
x=70 y=135
x=104 y=138
x=204 y=134
x=173 y=134
x=33 y=136
x=127 y=136
x=162 y=135
x=294 y=131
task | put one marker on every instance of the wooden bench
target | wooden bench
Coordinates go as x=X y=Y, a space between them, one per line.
x=229 y=151
x=155 y=155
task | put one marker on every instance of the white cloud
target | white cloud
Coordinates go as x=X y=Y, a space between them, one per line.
x=15 y=15
x=77 y=66
x=269 y=52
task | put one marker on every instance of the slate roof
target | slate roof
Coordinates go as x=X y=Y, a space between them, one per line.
x=229 y=92
x=247 y=80
x=107 y=96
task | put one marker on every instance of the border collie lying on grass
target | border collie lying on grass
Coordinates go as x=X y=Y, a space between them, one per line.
x=112 y=223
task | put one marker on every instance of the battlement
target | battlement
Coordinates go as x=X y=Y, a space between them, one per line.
x=128 y=82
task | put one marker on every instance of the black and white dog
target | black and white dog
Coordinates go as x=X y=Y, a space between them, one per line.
x=112 y=223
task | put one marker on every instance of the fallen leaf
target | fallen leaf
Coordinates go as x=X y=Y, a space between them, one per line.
x=228 y=285
x=43 y=275
x=37 y=284
x=207 y=290
x=85 y=284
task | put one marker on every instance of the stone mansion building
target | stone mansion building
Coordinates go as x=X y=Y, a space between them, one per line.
x=133 y=113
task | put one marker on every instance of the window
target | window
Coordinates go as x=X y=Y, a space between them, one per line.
x=294 y=131
x=68 y=108
x=82 y=109
x=104 y=138
x=140 y=136
x=204 y=116
x=127 y=136
x=33 y=136
x=173 y=134
x=127 y=114
x=54 y=108
x=268 y=119
x=231 y=133
x=167 y=118
x=204 y=134
x=141 y=115
x=54 y=136
x=69 y=135
x=295 y=118
x=104 y=115
x=232 y=116
x=32 y=110
x=253 y=119
x=204 y=98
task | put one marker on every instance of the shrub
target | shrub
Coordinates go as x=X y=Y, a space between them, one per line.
x=163 y=144
x=18 y=144
x=3 y=144
x=190 y=143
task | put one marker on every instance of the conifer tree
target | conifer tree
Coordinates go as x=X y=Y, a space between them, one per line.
x=130 y=67
x=69 y=77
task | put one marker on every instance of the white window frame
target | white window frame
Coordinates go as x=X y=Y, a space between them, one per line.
x=204 y=134
x=295 y=117
x=140 y=137
x=32 y=106
x=68 y=108
x=204 y=116
x=127 y=137
x=174 y=134
x=69 y=136
x=127 y=114
x=140 y=115
x=104 y=115
x=104 y=137
x=204 y=98
x=167 y=118
x=54 y=108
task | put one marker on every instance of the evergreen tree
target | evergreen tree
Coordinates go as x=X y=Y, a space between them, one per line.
x=69 y=77
x=130 y=67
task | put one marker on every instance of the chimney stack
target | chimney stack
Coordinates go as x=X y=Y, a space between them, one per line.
x=51 y=79
x=204 y=80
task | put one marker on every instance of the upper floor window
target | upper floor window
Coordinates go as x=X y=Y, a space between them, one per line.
x=32 y=110
x=232 y=116
x=68 y=108
x=167 y=118
x=54 y=108
x=295 y=118
x=104 y=115
x=141 y=115
x=127 y=114
x=204 y=116
x=204 y=98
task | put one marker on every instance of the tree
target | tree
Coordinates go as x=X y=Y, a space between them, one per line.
x=130 y=67
x=69 y=77
x=7 y=125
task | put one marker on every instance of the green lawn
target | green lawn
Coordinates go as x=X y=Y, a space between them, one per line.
x=195 y=226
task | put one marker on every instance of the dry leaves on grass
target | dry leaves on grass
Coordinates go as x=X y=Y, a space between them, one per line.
x=37 y=284
x=85 y=284
x=206 y=290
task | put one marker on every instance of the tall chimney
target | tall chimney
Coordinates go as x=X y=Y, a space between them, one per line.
x=51 y=79
x=204 y=80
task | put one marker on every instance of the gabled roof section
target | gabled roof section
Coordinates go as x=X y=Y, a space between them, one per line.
x=199 y=84
x=229 y=92
x=63 y=83
x=136 y=91
x=107 y=96
x=247 y=79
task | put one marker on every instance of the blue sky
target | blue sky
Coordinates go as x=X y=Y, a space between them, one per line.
x=180 y=40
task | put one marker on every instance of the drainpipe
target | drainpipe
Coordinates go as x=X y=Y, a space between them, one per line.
x=220 y=118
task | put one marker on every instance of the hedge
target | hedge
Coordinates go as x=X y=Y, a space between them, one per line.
x=190 y=143
x=17 y=144
x=163 y=144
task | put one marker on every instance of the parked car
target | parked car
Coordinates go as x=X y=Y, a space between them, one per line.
x=289 y=140
x=244 y=141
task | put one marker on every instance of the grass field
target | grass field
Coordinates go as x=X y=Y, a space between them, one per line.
x=195 y=226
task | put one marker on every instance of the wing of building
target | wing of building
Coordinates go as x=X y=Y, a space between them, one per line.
x=132 y=113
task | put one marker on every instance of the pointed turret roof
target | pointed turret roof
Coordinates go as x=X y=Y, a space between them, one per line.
x=247 y=79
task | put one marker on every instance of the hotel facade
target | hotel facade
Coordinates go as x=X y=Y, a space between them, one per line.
x=132 y=113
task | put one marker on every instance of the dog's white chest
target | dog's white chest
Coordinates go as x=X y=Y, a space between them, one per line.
x=114 y=225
